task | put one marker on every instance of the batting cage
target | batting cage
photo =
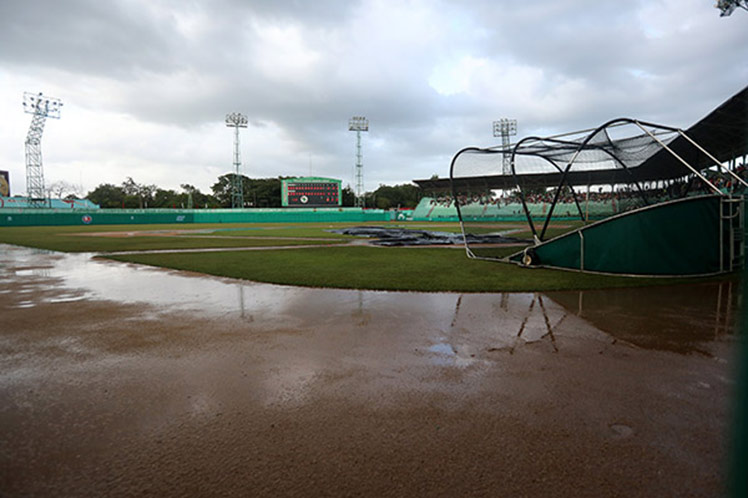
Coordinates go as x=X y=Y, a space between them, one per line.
x=628 y=197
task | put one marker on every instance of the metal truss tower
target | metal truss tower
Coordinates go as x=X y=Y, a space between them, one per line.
x=359 y=124
x=41 y=108
x=504 y=128
x=236 y=120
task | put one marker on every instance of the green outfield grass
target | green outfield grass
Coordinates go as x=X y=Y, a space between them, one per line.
x=409 y=269
x=69 y=238
x=276 y=231
x=415 y=269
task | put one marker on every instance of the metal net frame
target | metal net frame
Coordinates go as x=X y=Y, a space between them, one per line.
x=636 y=162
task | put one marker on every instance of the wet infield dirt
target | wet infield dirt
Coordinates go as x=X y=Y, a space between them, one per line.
x=121 y=380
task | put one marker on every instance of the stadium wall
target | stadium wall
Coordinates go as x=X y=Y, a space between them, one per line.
x=47 y=217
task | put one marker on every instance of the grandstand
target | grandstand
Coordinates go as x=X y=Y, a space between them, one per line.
x=477 y=208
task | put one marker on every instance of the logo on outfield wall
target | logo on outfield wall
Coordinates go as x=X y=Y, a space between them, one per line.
x=86 y=219
x=5 y=183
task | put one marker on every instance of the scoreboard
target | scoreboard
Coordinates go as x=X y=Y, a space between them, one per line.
x=310 y=192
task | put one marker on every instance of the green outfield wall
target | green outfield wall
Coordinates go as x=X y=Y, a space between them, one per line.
x=47 y=217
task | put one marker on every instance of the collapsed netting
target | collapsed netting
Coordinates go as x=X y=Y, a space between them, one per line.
x=549 y=155
x=544 y=171
x=591 y=174
x=601 y=151
x=539 y=155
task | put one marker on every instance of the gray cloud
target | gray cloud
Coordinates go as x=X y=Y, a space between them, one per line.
x=430 y=75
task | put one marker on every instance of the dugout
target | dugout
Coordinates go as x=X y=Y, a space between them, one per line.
x=679 y=195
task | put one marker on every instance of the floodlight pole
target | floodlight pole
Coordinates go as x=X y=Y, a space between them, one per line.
x=504 y=128
x=236 y=120
x=359 y=124
x=41 y=108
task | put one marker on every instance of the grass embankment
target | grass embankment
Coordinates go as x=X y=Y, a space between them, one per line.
x=383 y=269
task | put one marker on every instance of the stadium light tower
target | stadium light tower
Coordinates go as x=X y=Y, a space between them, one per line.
x=41 y=108
x=236 y=120
x=504 y=128
x=359 y=124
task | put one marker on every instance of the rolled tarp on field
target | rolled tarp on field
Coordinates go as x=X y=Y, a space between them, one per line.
x=692 y=236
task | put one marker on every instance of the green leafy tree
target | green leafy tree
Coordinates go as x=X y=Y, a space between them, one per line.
x=167 y=199
x=348 y=198
x=107 y=195
x=385 y=197
x=137 y=195
x=258 y=192
x=265 y=192
x=223 y=189
x=199 y=199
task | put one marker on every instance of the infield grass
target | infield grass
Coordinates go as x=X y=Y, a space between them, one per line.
x=410 y=269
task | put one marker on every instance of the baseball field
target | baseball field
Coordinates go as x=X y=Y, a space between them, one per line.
x=312 y=255
x=287 y=360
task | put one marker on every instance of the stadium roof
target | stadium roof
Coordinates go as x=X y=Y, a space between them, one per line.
x=723 y=133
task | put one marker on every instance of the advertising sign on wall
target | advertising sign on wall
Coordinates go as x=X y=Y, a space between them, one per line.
x=4 y=183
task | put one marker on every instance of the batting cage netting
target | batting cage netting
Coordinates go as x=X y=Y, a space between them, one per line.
x=578 y=178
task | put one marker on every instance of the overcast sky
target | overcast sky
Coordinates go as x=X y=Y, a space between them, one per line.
x=146 y=84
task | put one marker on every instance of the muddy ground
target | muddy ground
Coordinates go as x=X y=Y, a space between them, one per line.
x=120 y=380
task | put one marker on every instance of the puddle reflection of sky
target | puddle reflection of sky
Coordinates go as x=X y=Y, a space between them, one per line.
x=679 y=318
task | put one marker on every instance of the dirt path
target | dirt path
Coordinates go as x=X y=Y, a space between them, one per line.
x=119 y=380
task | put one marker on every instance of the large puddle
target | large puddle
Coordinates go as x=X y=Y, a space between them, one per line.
x=119 y=379
x=683 y=318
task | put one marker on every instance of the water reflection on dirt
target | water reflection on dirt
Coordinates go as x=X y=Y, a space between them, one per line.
x=681 y=318
x=126 y=378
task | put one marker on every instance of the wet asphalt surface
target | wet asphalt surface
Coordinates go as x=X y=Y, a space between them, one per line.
x=123 y=380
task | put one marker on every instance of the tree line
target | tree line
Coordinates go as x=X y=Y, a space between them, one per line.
x=258 y=192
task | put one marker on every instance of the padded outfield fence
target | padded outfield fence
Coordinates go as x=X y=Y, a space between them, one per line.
x=47 y=217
